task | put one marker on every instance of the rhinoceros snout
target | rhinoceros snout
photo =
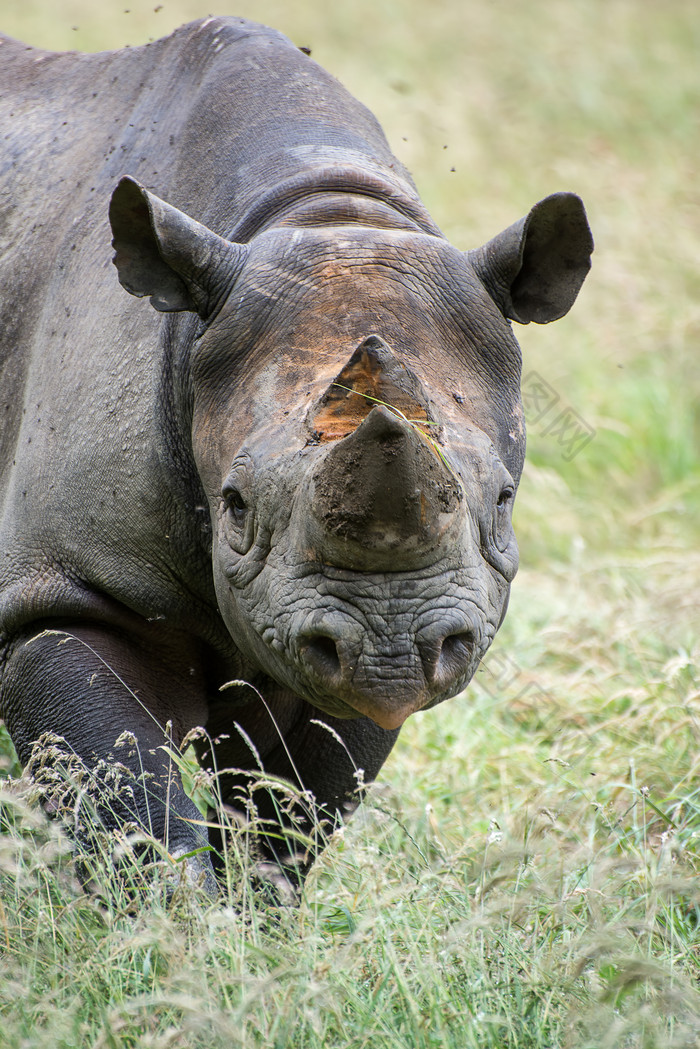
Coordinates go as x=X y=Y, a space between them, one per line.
x=388 y=686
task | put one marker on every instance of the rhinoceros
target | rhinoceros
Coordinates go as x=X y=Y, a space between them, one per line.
x=291 y=465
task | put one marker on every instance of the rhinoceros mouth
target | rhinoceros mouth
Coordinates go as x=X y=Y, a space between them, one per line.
x=388 y=715
x=388 y=707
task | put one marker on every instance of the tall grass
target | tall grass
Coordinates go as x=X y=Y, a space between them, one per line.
x=525 y=873
x=477 y=908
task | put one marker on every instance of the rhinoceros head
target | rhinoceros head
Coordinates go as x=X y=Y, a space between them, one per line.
x=357 y=428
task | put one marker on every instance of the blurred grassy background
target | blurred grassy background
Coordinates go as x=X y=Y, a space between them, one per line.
x=592 y=692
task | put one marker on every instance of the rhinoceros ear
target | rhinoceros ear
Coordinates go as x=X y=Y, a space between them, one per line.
x=161 y=252
x=535 y=268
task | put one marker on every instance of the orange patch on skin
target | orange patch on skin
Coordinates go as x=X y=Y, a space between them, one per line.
x=361 y=384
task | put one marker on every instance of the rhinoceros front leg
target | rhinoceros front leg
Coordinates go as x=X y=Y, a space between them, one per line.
x=89 y=684
x=327 y=761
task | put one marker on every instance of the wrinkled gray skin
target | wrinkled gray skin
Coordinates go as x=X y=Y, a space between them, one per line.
x=183 y=489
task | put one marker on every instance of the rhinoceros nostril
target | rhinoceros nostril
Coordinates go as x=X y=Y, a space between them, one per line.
x=320 y=652
x=454 y=658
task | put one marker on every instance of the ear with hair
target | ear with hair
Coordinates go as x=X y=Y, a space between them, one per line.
x=161 y=252
x=535 y=268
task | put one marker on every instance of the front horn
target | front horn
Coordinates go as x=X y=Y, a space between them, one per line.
x=382 y=498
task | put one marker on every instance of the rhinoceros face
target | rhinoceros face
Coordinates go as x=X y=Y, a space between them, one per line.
x=358 y=430
x=362 y=513
x=368 y=575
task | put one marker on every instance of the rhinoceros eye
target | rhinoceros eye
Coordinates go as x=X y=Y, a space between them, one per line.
x=237 y=507
x=502 y=533
x=239 y=524
x=235 y=503
x=504 y=498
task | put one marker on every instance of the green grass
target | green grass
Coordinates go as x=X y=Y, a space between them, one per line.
x=525 y=873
